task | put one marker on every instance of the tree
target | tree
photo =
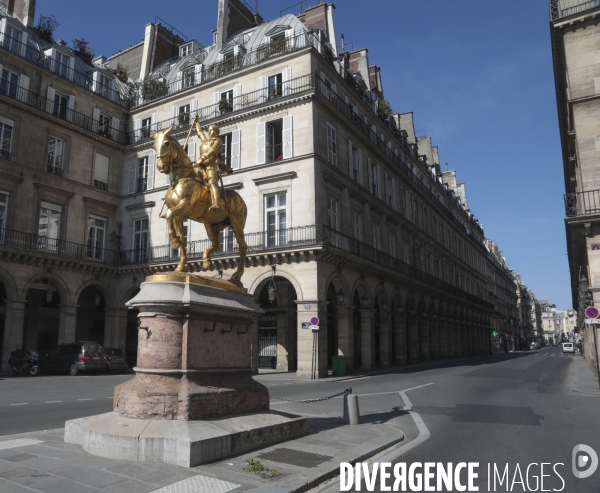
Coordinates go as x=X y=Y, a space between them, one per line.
x=154 y=89
x=120 y=73
x=46 y=27
x=384 y=108
x=83 y=50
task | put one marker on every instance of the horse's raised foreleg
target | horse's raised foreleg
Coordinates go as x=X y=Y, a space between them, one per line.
x=238 y=231
x=175 y=244
x=212 y=230
x=182 y=246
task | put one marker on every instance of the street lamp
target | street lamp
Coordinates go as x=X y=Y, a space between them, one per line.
x=49 y=294
x=384 y=305
x=340 y=296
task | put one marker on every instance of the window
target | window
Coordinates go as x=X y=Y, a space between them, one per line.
x=276 y=219
x=6 y=131
x=331 y=145
x=226 y=148
x=101 y=163
x=356 y=230
x=61 y=64
x=333 y=221
x=356 y=164
x=227 y=240
x=9 y=83
x=403 y=202
x=56 y=150
x=142 y=174
x=140 y=241
x=103 y=85
x=49 y=227
x=183 y=117
x=376 y=237
x=375 y=180
x=274 y=141
x=188 y=77
x=96 y=236
x=12 y=39
x=146 y=124
x=60 y=105
x=406 y=251
x=392 y=238
x=415 y=212
x=175 y=251
x=104 y=125
x=3 y=213
x=275 y=84
x=185 y=50
x=226 y=102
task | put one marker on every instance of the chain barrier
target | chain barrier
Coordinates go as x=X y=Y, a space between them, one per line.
x=320 y=399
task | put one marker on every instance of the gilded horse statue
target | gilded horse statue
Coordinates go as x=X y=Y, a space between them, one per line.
x=189 y=196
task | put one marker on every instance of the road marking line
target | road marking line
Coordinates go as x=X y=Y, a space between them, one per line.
x=20 y=404
x=413 y=388
x=91 y=399
x=51 y=402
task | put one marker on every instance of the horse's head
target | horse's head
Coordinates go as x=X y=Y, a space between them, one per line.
x=165 y=148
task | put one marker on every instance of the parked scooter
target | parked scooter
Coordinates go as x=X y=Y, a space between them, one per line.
x=24 y=362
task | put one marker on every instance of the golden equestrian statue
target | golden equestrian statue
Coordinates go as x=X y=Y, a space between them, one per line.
x=197 y=196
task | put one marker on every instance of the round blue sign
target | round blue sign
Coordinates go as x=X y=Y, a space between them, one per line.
x=592 y=312
x=314 y=321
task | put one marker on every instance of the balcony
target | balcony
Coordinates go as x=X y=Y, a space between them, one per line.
x=565 y=8
x=42 y=60
x=54 y=170
x=100 y=185
x=79 y=119
x=582 y=203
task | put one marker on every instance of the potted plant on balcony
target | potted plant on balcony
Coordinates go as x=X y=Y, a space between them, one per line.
x=225 y=106
x=154 y=89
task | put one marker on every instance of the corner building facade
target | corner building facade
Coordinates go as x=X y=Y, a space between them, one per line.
x=350 y=220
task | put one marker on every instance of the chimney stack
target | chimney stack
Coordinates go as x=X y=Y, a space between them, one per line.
x=24 y=10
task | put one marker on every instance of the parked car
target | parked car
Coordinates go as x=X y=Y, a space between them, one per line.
x=568 y=347
x=74 y=357
x=115 y=360
x=533 y=345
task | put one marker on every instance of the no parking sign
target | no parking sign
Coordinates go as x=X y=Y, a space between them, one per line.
x=592 y=312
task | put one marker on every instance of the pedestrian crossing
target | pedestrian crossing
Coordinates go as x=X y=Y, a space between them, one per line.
x=552 y=354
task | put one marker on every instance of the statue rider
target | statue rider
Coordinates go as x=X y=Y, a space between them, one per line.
x=210 y=159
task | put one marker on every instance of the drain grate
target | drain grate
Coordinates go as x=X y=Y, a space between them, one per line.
x=198 y=484
x=295 y=457
x=19 y=442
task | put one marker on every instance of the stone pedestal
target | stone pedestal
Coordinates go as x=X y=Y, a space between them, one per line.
x=196 y=353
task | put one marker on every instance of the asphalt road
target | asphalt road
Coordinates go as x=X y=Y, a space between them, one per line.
x=522 y=408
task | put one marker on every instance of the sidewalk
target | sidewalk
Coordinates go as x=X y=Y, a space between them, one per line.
x=41 y=462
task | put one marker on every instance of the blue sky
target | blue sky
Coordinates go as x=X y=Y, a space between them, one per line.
x=477 y=75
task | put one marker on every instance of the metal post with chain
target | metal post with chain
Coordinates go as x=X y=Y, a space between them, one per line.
x=320 y=399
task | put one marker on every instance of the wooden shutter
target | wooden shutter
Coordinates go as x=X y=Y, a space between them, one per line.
x=215 y=102
x=50 y=100
x=95 y=118
x=116 y=125
x=369 y=175
x=286 y=77
x=192 y=150
x=137 y=125
x=261 y=140
x=193 y=109
x=179 y=81
x=132 y=176
x=70 y=107
x=153 y=119
x=101 y=163
x=24 y=38
x=360 y=173
x=197 y=74
x=236 y=137
x=174 y=115
x=288 y=150
x=23 y=84
x=350 y=159
x=151 y=166
x=95 y=82
x=237 y=97
x=262 y=87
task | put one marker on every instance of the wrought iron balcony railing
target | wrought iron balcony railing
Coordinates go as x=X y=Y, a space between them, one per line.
x=42 y=60
x=61 y=111
x=239 y=103
x=582 y=203
x=368 y=252
x=564 y=8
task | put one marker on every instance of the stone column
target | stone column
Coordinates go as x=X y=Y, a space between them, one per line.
x=412 y=328
x=385 y=339
x=434 y=341
x=282 y=346
x=401 y=349
x=443 y=337
x=424 y=354
x=470 y=338
x=312 y=345
x=346 y=336
x=367 y=353
x=454 y=338
x=13 y=329
x=115 y=327
x=67 y=323
x=463 y=337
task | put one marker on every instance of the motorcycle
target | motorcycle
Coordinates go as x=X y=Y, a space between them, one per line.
x=24 y=362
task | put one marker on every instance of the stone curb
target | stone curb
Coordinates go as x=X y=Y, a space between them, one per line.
x=298 y=483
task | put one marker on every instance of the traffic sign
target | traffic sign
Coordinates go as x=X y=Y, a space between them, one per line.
x=314 y=327
x=306 y=325
x=592 y=312
x=593 y=321
x=314 y=321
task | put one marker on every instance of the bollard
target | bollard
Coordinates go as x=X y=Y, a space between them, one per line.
x=351 y=412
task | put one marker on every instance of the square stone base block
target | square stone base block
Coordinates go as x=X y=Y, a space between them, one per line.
x=182 y=443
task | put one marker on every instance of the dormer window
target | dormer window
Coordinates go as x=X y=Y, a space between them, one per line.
x=185 y=50
x=12 y=39
x=61 y=64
